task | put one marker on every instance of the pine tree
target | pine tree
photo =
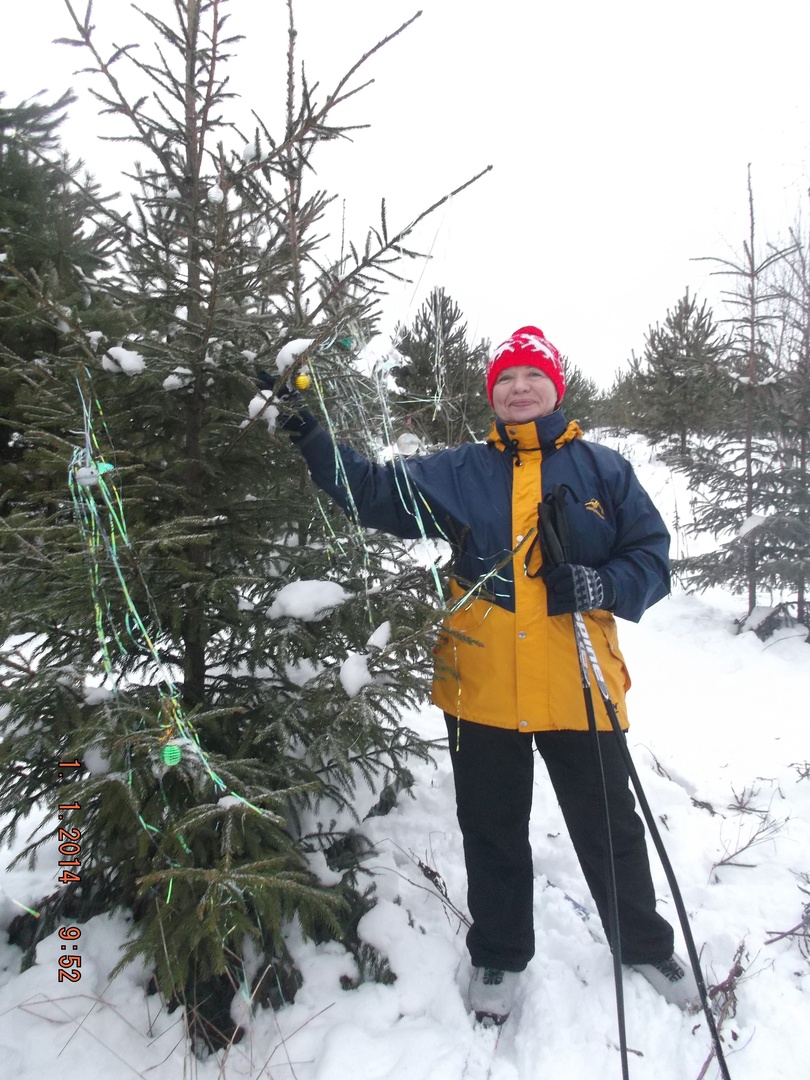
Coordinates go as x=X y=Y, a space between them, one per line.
x=150 y=613
x=441 y=379
x=622 y=406
x=675 y=388
x=682 y=364
x=583 y=398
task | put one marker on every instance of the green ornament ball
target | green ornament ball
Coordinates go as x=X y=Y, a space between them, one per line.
x=171 y=755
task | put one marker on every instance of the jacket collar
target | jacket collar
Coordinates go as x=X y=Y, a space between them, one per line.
x=546 y=433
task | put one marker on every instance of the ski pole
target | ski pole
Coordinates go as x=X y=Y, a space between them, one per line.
x=613 y=898
x=586 y=652
x=553 y=536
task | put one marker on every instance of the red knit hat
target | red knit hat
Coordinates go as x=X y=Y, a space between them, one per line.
x=527 y=347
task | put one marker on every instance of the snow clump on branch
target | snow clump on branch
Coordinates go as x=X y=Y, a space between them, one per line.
x=309 y=601
x=123 y=361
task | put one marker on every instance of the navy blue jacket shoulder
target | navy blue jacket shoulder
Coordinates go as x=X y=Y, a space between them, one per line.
x=467 y=496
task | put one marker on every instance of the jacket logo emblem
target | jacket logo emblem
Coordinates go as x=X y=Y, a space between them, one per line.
x=596 y=506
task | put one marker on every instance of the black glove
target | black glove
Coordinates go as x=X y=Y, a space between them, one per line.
x=572 y=587
x=294 y=417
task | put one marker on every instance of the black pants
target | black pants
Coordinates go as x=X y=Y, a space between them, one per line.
x=493 y=770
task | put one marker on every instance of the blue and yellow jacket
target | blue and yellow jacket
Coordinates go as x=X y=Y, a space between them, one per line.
x=500 y=659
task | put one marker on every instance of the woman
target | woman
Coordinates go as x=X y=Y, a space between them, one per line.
x=506 y=668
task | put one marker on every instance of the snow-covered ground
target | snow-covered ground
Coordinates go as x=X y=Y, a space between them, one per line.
x=719 y=724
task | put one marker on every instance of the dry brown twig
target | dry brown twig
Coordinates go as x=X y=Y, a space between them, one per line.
x=800 y=932
x=766 y=829
x=723 y=996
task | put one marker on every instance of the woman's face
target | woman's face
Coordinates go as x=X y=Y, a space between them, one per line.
x=523 y=393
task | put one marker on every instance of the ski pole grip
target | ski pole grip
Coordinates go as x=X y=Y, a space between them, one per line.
x=552 y=526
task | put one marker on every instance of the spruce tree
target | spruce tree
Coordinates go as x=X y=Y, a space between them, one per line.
x=43 y=245
x=785 y=532
x=224 y=656
x=734 y=472
x=441 y=394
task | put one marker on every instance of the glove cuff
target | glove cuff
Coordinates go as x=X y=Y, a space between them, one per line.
x=608 y=591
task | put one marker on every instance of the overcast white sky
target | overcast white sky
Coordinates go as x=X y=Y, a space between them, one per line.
x=619 y=133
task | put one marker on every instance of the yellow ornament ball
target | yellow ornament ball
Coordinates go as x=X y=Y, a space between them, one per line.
x=302 y=382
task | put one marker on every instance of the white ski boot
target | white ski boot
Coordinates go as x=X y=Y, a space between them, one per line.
x=674 y=981
x=492 y=994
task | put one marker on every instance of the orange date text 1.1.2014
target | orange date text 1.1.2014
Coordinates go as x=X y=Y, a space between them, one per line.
x=69 y=839
x=70 y=851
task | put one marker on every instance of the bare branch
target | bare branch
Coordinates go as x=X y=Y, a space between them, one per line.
x=394 y=244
